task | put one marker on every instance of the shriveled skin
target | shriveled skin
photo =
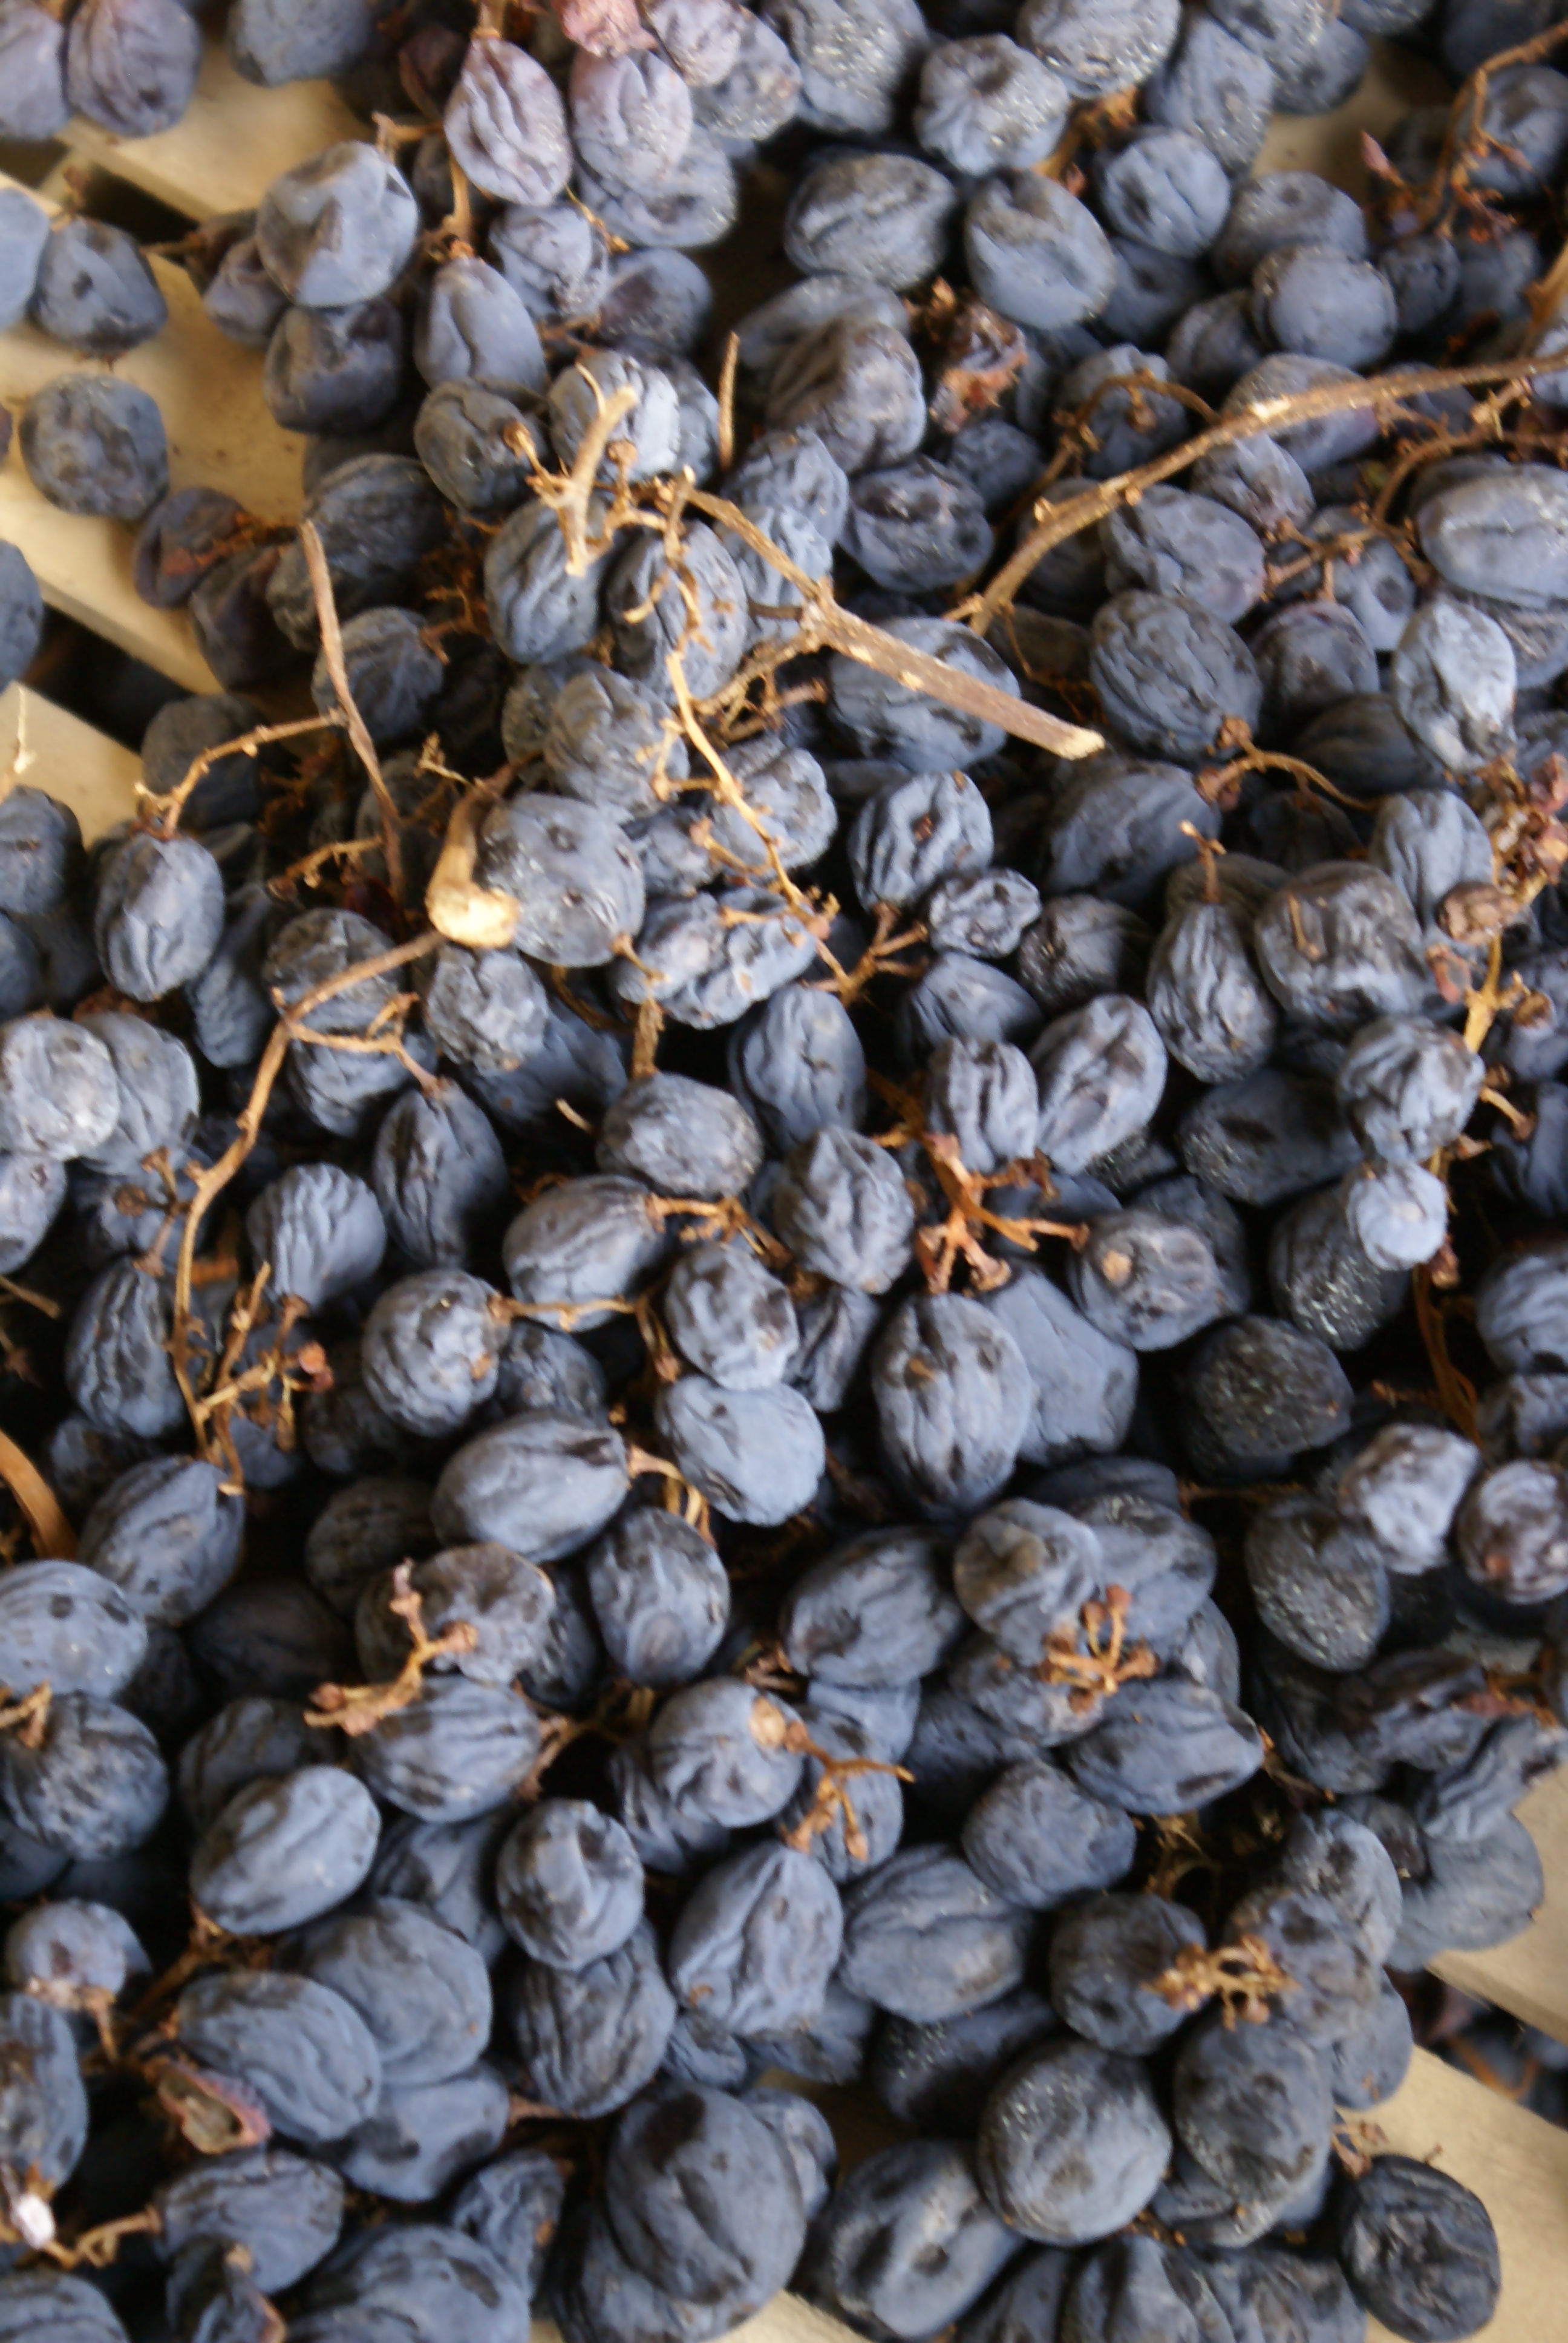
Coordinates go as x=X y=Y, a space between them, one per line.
x=284 y=1850
x=1420 y=2248
x=1147 y=1281
x=927 y=1939
x=757 y=1456
x=590 y=2039
x=1072 y=2144
x=1038 y=1839
x=1167 y=1747
x=569 y=1884
x=1324 y=1279
x=756 y=1945
x=1255 y=2113
x=1143 y=2288
x=883 y=216
x=66 y=1625
x=43 y=2102
x=301 y=2049
x=911 y=2232
x=1214 y=1013
x=953 y=1396
x=1101 y=1073
x=877 y=1610
x=1171 y=673
x=845 y=1210
x=1500 y=535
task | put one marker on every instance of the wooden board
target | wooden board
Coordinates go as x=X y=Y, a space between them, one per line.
x=83 y=767
x=1529 y=1976
x=220 y=435
x=235 y=138
x=787 y=2320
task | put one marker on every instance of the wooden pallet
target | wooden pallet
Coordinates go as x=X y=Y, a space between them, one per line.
x=233 y=141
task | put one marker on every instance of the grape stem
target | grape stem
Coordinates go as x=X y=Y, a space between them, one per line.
x=1057 y=523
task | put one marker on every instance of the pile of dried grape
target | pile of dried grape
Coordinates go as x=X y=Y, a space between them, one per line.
x=789 y=1315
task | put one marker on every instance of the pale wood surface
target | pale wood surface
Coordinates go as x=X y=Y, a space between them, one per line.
x=83 y=768
x=220 y=435
x=1529 y=1975
x=789 y=2320
x=234 y=139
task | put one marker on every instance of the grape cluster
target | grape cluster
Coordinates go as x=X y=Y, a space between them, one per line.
x=736 y=1296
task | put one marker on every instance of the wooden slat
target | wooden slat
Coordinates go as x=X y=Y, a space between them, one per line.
x=84 y=568
x=786 y=2320
x=1517 y=2165
x=220 y=435
x=235 y=138
x=1529 y=1975
x=1395 y=80
x=83 y=768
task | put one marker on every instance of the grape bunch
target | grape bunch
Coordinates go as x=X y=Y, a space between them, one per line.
x=781 y=1297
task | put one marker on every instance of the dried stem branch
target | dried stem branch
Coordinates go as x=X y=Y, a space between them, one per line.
x=1077 y=436
x=725 y=786
x=211 y=1182
x=826 y=625
x=1246 y=1976
x=10 y=1292
x=348 y=710
x=1101 y=1660
x=53 y=1539
x=96 y=2248
x=23 y=759
x=28 y=1718
x=162 y=814
x=832 y=1799
x=1220 y=783
x=483 y=917
x=726 y=402
x=357 y=1709
x=823 y=623
x=1057 y=523
x=917 y=671
x=307 y=872
x=570 y=494
x=1464 y=138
